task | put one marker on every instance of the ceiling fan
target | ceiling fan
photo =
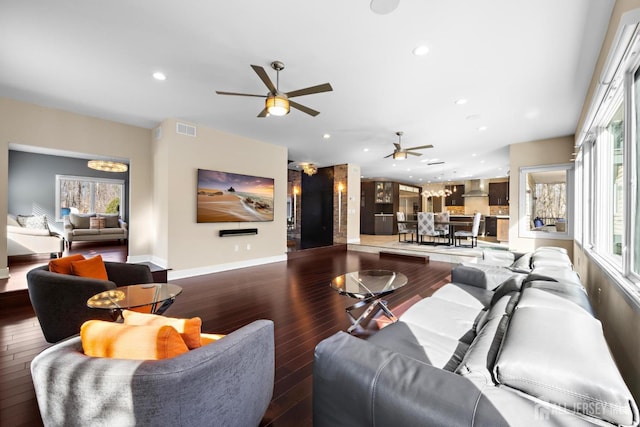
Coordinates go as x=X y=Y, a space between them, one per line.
x=400 y=154
x=277 y=103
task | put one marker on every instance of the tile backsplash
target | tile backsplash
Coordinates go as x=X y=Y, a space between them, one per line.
x=499 y=210
x=455 y=210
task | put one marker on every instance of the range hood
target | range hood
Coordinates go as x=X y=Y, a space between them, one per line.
x=476 y=188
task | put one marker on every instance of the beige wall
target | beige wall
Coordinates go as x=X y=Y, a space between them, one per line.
x=28 y=124
x=535 y=153
x=193 y=248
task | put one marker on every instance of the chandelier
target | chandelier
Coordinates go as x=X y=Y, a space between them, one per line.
x=107 y=166
x=309 y=168
x=443 y=192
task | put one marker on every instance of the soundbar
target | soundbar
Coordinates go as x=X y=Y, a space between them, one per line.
x=238 y=232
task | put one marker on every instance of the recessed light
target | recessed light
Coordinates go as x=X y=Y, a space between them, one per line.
x=461 y=101
x=482 y=128
x=473 y=154
x=365 y=150
x=394 y=165
x=420 y=50
x=326 y=136
x=159 y=76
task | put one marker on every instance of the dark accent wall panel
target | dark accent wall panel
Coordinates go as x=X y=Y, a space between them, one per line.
x=317 y=209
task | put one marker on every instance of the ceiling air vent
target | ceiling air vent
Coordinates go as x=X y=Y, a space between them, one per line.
x=185 y=129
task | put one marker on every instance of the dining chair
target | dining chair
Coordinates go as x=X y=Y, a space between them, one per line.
x=426 y=226
x=404 y=228
x=443 y=229
x=475 y=227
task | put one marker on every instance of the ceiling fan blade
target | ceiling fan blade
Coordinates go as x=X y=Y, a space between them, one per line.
x=219 y=92
x=264 y=77
x=309 y=90
x=434 y=163
x=263 y=113
x=304 y=109
x=386 y=157
x=398 y=148
x=420 y=147
x=413 y=154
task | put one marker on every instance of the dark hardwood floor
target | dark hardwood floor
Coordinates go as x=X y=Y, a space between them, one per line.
x=294 y=294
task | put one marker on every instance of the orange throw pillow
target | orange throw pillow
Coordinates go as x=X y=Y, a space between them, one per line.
x=120 y=341
x=92 y=267
x=189 y=329
x=63 y=265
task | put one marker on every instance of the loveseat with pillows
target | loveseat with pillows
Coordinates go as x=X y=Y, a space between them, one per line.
x=93 y=227
x=495 y=347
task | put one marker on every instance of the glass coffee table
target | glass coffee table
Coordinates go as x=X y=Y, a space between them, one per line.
x=159 y=296
x=369 y=286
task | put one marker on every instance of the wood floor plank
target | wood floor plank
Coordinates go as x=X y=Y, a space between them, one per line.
x=295 y=294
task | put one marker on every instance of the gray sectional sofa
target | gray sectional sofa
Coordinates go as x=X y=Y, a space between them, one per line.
x=511 y=341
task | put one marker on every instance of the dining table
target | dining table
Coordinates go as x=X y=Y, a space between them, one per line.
x=413 y=225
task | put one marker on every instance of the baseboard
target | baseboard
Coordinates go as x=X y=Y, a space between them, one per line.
x=182 y=274
x=161 y=262
x=321 y=250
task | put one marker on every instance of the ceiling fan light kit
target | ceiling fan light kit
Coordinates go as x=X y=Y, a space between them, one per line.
x=277 y=105
x=401 y=153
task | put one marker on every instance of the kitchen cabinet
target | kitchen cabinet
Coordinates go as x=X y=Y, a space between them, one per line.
x=491 y=226
x=498 y=193
x=384 y=192
x=455 y=198
x=503 y=229
x=384 y=224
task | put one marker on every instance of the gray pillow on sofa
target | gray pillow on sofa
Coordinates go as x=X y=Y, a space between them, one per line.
x=80 y=220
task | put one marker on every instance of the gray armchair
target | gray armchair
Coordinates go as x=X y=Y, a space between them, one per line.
x=60 y=300
x=227 y=383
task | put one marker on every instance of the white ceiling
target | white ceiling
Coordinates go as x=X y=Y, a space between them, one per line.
x=523 y=66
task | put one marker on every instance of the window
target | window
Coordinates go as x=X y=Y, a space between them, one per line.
x=546 y=203
x=88 y=195
x=610 y=185
x=610 y=163
x=635 y=228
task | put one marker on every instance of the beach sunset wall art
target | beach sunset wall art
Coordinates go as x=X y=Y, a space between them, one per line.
x=232 y=197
